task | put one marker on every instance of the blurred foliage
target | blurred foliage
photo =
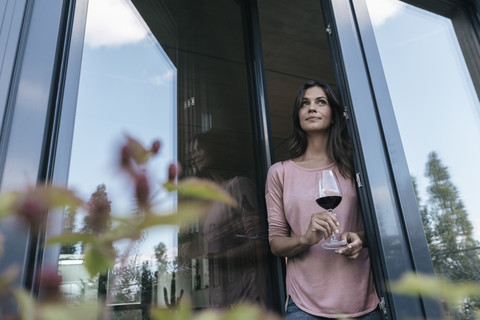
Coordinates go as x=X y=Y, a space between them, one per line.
x=452 y=295
x=238 y=312
x=54 y=310
x=101 y=231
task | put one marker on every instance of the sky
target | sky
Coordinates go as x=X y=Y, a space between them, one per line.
x=434 y=100
x=127 y=87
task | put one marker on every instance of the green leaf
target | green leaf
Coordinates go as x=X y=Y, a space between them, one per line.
x=57 y=311
x=239 y=312
x=159 y=314
x=183 y=312
x=435 y=287
x=138 y=152
x=9 y=276
x=99 y=257
x=250 y=311
x=125 y=228
x=201 y=189
x=153 y=220
x=26 y=305
x=7 y=202
x=188 y=212
x=211 y=315
x=243 y=311
x=74 y=237
x=62 y=197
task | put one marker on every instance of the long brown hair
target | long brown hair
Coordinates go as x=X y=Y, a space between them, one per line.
x=340 y=147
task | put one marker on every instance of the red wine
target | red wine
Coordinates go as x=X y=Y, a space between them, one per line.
x=329 y=202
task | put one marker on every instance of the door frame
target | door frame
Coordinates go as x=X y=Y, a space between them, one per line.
x=398 y=244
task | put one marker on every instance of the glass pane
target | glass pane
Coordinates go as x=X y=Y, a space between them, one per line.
x=438 y=115
x=127 y=87
x=295 y=50
x=174 y=71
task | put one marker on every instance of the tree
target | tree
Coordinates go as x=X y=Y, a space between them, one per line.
x=99 y=207
x=427 y=221
x=161 y=257
x=146 y=294
x=69 y=226
x=448 y=230
x=97 y=221
x=452 y=244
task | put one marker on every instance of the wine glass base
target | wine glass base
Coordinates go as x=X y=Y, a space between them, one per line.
x=334 y=244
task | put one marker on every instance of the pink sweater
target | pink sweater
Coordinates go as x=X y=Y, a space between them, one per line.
x=319 y=281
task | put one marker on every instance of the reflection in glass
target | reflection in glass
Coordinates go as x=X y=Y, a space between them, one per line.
x=127 y=86
x=438 y=115
x=295 y=50
x=229 y=238
x=173 y=71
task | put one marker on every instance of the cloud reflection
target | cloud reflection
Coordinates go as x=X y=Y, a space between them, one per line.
x=112 y=23
x=162 y=79
x=382 y=10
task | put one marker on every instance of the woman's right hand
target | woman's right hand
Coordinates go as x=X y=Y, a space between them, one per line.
x=322 y=225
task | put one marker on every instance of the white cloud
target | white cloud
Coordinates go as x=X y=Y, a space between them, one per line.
x=162 y=79
x=382 y=10
x=112 y=23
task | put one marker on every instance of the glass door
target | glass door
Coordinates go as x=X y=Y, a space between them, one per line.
x=127 y=88
x=174 y=71
x=430 y=60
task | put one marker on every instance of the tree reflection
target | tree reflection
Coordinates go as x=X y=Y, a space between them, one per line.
x=448 y=230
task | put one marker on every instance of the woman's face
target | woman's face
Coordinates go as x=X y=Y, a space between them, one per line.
x=199 y=156
x=315 y=114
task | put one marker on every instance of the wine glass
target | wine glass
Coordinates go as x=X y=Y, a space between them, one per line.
x=328 y=195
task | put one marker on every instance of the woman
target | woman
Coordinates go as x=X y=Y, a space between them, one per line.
x=320 y=283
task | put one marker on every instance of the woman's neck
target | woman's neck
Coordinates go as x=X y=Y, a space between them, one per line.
x=316 y=154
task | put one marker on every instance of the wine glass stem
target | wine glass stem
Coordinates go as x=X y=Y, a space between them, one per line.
x=333 y=238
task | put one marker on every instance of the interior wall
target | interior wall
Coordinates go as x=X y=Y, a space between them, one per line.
x=295 y=48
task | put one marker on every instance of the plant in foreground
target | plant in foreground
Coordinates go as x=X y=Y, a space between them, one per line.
x=452 y=295
x=101 y=231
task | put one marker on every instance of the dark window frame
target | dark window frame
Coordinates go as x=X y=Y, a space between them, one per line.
x=12 y=35
x=261 y=132
x=380 y=159
x=38 y=43
x=366 y=201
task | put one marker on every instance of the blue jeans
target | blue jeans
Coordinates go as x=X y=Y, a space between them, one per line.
x=295 y=313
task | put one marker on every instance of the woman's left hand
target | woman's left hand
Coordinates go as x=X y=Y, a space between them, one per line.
x=355 y=245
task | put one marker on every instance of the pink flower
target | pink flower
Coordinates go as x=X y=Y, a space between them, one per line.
x=173 y=171
x=155 y=147
x=142 y=190
x=125 y=156
x=32 y=209
x=50 y=283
